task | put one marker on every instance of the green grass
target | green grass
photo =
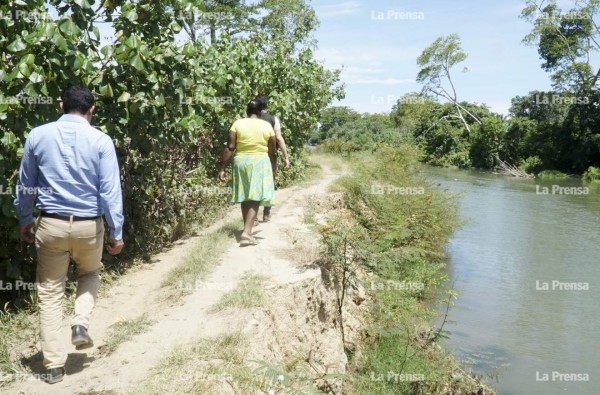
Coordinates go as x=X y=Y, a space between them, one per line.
x=208 y=365
x=321 y=158
x=205 y=254
x=16 y=330
x=399 y=239
x=200 y=367
x=552 y=175
x=592 y=175
x=250 y=292
x=124 y=331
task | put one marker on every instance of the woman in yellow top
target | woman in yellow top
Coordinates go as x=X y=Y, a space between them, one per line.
x=253 y=142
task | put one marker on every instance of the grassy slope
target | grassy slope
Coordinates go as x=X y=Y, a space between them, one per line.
x=397 y=238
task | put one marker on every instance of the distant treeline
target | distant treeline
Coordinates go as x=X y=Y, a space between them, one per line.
x=544 y=131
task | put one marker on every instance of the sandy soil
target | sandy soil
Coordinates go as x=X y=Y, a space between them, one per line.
x=284 y=255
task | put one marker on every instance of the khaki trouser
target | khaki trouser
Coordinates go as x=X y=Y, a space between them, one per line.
x=57 y=240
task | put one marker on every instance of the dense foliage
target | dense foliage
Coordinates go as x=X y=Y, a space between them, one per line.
x=343 y=130
x=165 y=98
x=557 y=130
x=389 y=237
x=538 y=135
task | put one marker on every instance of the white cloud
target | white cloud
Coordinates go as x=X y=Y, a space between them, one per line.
x=370 y=56
x=383 y=81
x=333 y=10
x=500 y=106
x=362 y=70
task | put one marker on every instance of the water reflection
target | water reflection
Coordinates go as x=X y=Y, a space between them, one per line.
x=515 y=242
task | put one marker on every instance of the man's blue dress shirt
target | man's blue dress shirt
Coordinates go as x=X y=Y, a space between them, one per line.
x=71 y=168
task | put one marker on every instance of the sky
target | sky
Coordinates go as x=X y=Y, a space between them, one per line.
x=377 y=43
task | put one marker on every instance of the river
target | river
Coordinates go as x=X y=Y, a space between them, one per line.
x=526 y=265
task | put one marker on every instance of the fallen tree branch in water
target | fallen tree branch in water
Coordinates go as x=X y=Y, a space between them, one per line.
x=504 y=167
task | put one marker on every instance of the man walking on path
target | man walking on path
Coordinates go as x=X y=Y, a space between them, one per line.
x=274 y=121
x=69 y=170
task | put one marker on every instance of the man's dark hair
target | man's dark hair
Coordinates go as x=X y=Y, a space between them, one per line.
x=254 y=108
x=77 y=99
x=263 y=100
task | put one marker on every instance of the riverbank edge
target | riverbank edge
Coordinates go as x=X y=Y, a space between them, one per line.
x=19 y=324
x=396 y=353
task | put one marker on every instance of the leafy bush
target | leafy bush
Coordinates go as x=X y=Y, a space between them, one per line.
x=166 y=104
x=338 y=146
x=533 y=164
x=397 y=239
x=592 y=175
x=552 y=175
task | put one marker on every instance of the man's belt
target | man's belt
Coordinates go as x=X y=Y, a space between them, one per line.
x=67 y=217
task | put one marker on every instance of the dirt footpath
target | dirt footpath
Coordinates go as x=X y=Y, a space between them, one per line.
x=287 y=247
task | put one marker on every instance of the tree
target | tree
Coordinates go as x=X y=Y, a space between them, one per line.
x=566 y=41
x=335 y=116
x=166 y=104
x=436 y=61
x=293 y=20
x=230 y=17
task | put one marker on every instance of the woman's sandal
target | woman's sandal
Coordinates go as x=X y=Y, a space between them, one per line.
x=248 y=241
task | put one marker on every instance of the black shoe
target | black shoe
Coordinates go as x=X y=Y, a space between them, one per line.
x=80 y=338
x=54 y=375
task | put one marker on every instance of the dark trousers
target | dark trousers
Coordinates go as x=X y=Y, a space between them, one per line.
x=267 y=209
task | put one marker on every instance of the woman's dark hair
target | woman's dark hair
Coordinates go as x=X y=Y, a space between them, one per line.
x=77 y=99
x=254 y=108
x=263 y=100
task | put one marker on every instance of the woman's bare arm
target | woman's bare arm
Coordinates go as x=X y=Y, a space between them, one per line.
x=227 y=153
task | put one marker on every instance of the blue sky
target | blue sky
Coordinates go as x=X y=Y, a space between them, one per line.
x=379 y=56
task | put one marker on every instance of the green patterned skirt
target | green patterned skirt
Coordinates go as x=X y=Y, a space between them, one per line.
x=252 y=179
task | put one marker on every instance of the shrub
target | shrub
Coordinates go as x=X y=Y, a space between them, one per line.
x=532 y=164
x=552 y=175
x=592 y=175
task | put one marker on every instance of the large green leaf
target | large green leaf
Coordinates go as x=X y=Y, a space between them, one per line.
x=68 y=27
x=124 y=97
x=60 y=42
x=9 y=139
x=17 y=45
x=106 y=90
x=137 y=62
x=134 y=42
x=29 y=59
x=24 y=69
x=36 y=77
x=30 y=90
x=130 y=15
x=82 y=3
